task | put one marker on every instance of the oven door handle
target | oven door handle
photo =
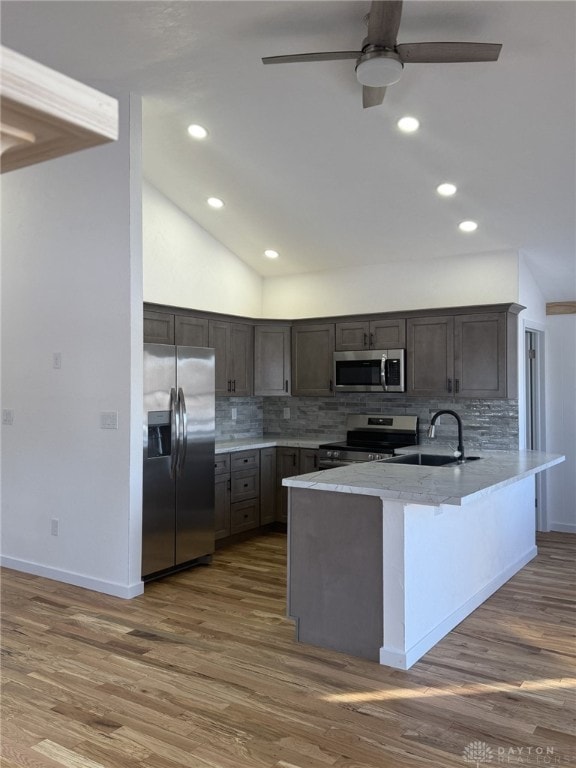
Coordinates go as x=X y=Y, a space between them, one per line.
x=383 y=381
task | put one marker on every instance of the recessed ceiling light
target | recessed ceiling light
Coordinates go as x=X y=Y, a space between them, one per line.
x=446 y=189
x=197 y=131
x=408 y=124
x=271 y=254
x=468 y=226
x=215 y=202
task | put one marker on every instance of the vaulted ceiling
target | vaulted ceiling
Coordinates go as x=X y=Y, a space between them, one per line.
x=301 y=166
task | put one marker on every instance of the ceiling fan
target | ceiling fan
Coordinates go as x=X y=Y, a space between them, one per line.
x=381 y=60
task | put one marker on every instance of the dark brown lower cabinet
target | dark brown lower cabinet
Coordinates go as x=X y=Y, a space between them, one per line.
x=267 y=485
x=290 y=462
x=287 y=460
x=244 y=515
x=222 y=495
x=245 y=491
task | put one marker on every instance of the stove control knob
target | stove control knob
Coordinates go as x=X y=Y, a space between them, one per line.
x=370 y=457
x=336 y=454
x=328 y=454
x=378 y=456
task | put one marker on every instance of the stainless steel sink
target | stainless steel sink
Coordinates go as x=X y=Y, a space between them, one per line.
x=428 y=459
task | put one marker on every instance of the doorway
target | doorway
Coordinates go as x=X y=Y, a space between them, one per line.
x=534 y=411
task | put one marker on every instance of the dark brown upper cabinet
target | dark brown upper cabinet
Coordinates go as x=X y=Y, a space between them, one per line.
x=234 y=351
x=312 y=357
x=470 y=356
x=191 y=331
x=158 y=327
x=272 y=359
x=387 y=333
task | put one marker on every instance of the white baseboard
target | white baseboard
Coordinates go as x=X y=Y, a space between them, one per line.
x=563 y=527
x=404 y=659
x=77 y=579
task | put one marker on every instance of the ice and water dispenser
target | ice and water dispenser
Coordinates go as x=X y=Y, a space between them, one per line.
x=159 y=434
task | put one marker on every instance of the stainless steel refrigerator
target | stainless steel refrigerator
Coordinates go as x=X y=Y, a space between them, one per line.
x=178 y=492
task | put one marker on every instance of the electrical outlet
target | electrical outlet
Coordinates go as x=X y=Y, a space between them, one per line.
x=57 y=360
x=109 y=420
x=54 y=526
x=286 y=414
x=7 y=417
x=234 y=414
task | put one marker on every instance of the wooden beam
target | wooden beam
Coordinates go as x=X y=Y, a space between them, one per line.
x=561 y=308
x=46 y=114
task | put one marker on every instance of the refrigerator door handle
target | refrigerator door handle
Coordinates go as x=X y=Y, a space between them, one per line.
x=183 y=438
x=174 y=432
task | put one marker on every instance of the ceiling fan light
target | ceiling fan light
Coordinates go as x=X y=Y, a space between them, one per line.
x=379 y=71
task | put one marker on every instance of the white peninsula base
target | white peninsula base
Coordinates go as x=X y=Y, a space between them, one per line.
x=387 y=579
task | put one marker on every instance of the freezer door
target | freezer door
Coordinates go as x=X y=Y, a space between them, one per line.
x=195 y=466
x=159 y=457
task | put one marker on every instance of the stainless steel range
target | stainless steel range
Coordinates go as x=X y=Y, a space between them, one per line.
x=369 y=437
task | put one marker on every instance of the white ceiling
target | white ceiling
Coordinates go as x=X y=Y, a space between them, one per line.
x=301 y=166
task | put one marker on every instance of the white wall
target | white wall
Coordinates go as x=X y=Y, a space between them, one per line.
x=72 y=284
x=533 y=318
x=398 y=286
x=186 y=267
x=561 y=420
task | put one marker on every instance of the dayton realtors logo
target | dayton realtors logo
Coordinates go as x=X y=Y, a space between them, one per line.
x=478 y=753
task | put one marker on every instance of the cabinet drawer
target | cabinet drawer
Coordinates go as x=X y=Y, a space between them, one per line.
x=245 y=484
x=244 y=515
x=245 y=460
x=222 y=464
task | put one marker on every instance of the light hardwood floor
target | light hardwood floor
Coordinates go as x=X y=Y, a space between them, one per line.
x=202 y=671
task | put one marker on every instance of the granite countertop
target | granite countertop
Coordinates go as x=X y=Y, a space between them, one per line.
x=272 y=441
x=455 y=485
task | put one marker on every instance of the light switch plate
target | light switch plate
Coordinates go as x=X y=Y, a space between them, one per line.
x=109 y=420
x=7 y=416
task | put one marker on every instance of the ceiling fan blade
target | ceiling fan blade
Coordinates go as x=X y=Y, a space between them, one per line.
x=326 y=56
x=438 y=53
x=384 y=22
x=372 y=97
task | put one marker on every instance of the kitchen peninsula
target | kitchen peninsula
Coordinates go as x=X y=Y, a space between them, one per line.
x=384 y=559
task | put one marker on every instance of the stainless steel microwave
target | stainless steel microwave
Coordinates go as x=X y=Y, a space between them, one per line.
x=374 y=370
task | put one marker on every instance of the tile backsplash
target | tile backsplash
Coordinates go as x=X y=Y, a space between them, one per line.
x=488 y=424
x=249 y=417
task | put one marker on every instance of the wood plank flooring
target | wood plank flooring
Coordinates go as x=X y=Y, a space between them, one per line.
x=202 y=671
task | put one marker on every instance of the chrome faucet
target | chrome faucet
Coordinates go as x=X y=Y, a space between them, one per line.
x=432 y=428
